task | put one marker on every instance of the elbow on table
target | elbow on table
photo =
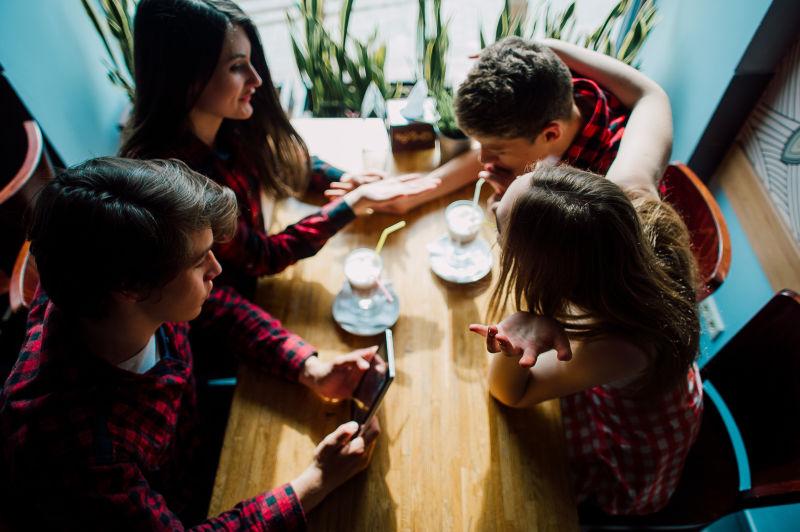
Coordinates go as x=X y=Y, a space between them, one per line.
x=504 y=396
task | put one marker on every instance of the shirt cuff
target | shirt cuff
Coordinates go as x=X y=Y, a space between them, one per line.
x=329 y=171
x=282 y=509
x=296 y=355
x=339 y=213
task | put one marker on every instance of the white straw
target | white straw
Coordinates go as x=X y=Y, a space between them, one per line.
x=477 y=195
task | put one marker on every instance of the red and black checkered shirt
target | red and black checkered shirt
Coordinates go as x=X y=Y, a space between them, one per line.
x=253 y=252
x=604 y=117
x=90 y=446
x=627 y=452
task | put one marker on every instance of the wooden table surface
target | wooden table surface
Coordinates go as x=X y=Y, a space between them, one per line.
x=449 y=457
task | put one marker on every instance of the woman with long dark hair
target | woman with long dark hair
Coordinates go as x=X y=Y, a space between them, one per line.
x=204 y=95
x=605 y=277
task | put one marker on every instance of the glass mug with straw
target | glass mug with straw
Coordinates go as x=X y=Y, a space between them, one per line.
x=464 y=219
x=362 y=269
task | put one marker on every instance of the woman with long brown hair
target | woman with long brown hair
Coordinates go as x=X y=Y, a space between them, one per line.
x=204 y=95
x=606 y=278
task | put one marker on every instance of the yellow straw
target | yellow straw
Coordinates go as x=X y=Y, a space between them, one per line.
x=477 y=195
x=387 y=232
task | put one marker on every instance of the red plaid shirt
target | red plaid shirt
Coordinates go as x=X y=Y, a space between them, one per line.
x=626 y=452
x=252 y=252
x=596 y=146
x=90 y=446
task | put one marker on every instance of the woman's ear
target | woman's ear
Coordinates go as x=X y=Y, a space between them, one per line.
x=125 y=297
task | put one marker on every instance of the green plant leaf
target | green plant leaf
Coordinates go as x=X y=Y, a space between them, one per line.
x=567 y=16
x=95 y=18
x=347 y=8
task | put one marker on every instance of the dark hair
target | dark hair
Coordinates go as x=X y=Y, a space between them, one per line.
x=514 y=90
x=114 y=224
x=576 y=248
x=177 y=44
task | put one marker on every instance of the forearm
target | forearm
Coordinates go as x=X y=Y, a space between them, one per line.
x=323 y=174
x=507 y=379
x=624 y=81
x=257 y=253
x=453 y=175
x=646 y=146
x=253 y=333
x=310 y=488
x=124 y=495
x=280 y=509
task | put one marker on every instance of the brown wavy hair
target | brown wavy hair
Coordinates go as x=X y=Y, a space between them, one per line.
x=113 y=224
x=177 y=44
x=580 y=250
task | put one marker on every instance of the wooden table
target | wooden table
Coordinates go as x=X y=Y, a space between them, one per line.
x=449 y=457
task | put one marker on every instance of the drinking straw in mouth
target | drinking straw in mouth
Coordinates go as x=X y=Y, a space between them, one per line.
x=387 y=232
x=477 y=195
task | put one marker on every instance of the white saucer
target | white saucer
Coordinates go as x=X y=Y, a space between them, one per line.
x=352 y=319
x=476 y=262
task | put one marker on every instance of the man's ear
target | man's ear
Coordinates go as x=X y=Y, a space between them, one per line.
x=552 y=132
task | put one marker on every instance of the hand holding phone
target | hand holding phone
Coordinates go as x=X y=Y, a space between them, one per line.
x=339 y=456
x=374 y=383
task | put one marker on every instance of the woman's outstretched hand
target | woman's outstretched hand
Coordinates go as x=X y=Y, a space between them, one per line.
x=525 y=336
x=378 y=194
x=350 y=181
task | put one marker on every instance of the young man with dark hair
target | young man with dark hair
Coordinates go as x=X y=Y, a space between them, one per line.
x=99 y=419
x=525 y=101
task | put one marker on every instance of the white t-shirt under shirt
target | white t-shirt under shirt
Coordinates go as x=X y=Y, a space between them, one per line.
x=142 y=361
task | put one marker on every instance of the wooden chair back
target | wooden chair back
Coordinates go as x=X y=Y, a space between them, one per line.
x=24 y=170
x=711 y=242
x=24 y=279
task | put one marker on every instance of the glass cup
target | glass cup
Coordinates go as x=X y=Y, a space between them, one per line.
x=464 y=220
x=362 y=269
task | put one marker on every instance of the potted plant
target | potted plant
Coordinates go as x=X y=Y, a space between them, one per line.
x=452 y=141
x=115 y=23
x=433 y=39
x=606 y=38
x=335 y=71
x=432 y=43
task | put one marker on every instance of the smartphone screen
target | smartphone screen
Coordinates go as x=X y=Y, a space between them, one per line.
x=375 y=382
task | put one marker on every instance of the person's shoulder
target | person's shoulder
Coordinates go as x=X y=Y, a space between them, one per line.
x=613 y=357
x=35 y=356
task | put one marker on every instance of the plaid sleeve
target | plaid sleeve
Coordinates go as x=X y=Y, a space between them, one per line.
x=254 y=333
x=257 y=253
x=119 y=493
x=323 y=174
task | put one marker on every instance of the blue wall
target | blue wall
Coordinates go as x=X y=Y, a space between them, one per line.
x=52 y=57
x=693 y=53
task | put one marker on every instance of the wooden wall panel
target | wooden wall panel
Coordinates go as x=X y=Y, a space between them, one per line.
x=772 y=241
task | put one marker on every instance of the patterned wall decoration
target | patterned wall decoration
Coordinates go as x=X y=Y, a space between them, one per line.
x=771 y=140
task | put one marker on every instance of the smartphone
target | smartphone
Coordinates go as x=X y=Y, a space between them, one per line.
x=376 y=380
